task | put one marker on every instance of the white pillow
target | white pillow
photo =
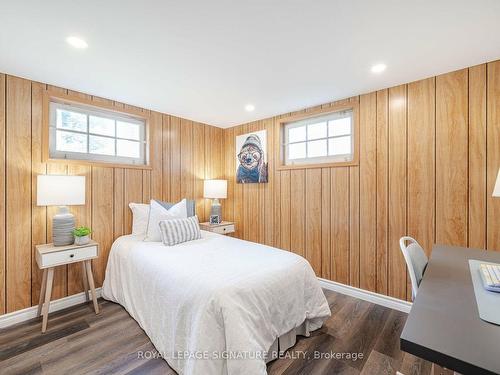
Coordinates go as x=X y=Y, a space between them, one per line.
x=158 y=213
x=140 y=218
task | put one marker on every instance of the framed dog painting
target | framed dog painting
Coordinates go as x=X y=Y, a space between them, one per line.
x=251 y=157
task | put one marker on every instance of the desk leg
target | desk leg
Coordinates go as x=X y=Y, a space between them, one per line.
x=42 y=292
x=85 y=281
x=92 y=287
x=48 y=292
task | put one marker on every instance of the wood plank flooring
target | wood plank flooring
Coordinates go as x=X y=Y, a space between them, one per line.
x=79 y=342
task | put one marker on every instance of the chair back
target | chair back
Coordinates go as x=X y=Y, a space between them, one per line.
x=416 y=261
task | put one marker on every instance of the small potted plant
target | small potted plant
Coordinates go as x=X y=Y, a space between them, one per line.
x=82 y=235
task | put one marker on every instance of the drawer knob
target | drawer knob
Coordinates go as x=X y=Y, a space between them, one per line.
x=71 y=255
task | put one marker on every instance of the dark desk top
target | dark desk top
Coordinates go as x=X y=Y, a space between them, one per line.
x=444 y=325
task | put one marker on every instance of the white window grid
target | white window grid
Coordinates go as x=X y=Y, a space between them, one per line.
x=82 y=109
x=311 y=121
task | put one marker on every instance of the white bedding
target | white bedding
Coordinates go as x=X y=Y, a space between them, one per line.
x=213 y=297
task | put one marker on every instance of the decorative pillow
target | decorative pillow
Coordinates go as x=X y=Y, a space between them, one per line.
x=140 y=218
x=190 y=205
x=158 y=213
x=176 y=231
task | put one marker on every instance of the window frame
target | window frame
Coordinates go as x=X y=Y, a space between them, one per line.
x=312 y=121
x=132 y=115
x=322 y=161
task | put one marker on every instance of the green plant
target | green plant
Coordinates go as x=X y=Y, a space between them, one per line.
x=81 y=231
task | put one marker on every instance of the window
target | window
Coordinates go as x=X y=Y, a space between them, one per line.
x=327 y=138
x=84 y=132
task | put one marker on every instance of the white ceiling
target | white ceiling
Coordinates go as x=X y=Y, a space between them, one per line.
x=205 y=60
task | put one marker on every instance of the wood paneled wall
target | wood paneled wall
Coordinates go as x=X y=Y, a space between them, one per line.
x=429 y=157
x=183 y=153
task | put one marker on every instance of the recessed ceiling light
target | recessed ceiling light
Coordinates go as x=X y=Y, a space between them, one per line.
x=378 y=68
x=249 y=107
x=76 y=42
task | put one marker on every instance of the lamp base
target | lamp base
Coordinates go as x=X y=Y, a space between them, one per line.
x=216 y=209
x=63 y=224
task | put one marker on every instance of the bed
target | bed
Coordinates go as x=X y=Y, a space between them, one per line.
x=217 y=305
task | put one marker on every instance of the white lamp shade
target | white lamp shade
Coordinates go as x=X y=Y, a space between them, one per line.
x=215 y=189
x=496 y=190
x=54 y=190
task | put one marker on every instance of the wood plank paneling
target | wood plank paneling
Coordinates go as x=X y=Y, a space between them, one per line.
x=427 y=168
x=297 y=211
x=477 y=156
x=166 y=158
x=209 y=168
x=493 y=156
x=313 y=219
x=397 y=190
x=277 y=188
x=186 y=164
x=251 y=232
x=285 y=216
x=421 y=175
x=451 y=158
x=175 y=159
x=102 y=217
x=38 y=213
x=108 y=192
x=146 y=186
x=354 y=226
x=382 y=190
x=368 y=192
x=18 y=193
x=216 y=155
x=199 y=169
x=132 y=193
x=363 y=211
x=339 y=248
x=238 y=191
x=156 y=154
x=267 y=192
x=2 y=196
x=120 y=208
x=421 y=158
x=326 y=272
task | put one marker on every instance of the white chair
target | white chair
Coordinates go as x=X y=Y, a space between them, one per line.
x=416 y=261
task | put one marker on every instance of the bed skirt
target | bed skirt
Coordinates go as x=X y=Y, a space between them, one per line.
x=286 y=341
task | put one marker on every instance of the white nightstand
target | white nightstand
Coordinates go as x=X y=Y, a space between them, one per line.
x=49 y=256
x=226 y=227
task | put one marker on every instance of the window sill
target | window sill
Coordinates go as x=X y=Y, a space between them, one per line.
x=98 y=164
x=351 y=163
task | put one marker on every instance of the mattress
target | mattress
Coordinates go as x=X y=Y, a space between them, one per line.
x=216 y=305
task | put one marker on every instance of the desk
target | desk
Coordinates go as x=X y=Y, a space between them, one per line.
x=443 y=326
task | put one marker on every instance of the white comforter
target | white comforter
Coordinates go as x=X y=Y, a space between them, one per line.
x=214 y=305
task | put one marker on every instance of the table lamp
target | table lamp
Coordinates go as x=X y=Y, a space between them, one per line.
x=496 y=190
x=215 y=189
x=62 y=191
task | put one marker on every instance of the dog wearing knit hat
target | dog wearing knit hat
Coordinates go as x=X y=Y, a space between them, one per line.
x=252 y=166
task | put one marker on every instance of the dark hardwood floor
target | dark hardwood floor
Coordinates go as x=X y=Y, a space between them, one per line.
x=79 y=342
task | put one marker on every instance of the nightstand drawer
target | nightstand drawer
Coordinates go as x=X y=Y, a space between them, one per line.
x=223 y=229
x=67 y=256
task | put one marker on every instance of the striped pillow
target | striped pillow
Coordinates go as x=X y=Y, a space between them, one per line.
x=176 y=231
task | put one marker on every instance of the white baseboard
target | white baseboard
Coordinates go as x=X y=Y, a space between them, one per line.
x=379 y=299
x=62 y=303
x=30 y=312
